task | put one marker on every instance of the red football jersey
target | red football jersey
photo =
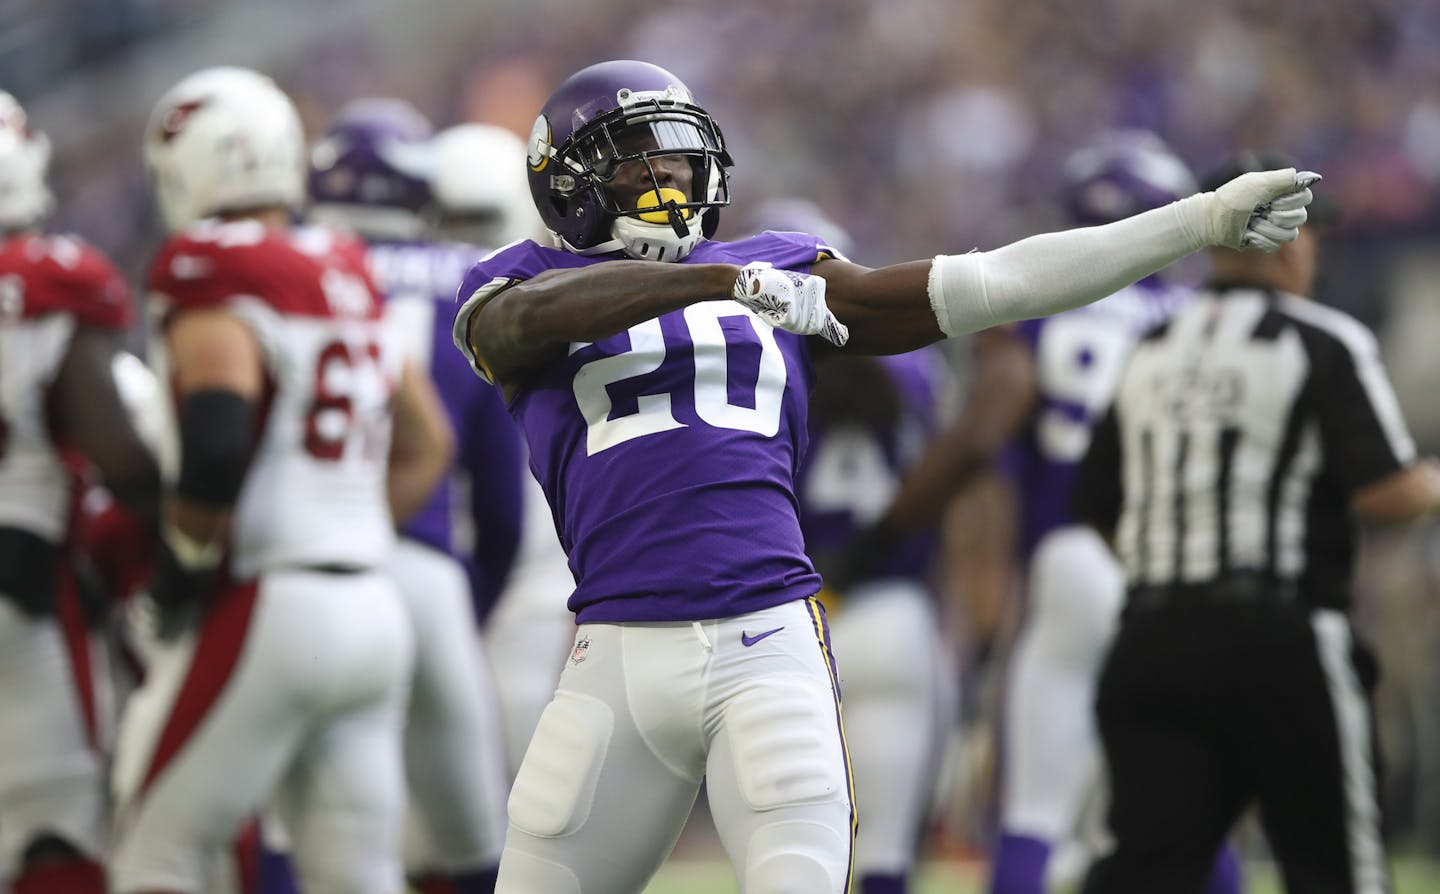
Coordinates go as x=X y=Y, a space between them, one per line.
x=314 y=492
x=49 y=285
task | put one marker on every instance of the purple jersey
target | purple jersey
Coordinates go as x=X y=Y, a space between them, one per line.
x=854 y=469
x=668 y=452
x=1079 y=356
x=476 y=515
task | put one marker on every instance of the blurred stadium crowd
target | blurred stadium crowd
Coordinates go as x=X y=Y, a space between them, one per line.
x=922 y=126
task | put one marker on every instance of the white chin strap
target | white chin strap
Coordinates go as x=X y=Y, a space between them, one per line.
x=648 y=241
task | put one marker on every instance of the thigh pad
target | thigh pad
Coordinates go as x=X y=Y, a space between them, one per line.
x=785 y=740
x=556 y=784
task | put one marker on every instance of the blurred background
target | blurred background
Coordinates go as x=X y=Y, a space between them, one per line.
x=924 y=126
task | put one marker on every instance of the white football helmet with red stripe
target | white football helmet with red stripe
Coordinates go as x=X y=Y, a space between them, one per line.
x=224 y=139
x=24 y=160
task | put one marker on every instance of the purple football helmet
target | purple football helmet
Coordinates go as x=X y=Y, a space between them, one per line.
x=575 y=150
x=1124 y=172
x=371 y=171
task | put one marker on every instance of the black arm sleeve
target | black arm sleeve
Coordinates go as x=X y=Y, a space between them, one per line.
x=1098 y=492
x=216 y=434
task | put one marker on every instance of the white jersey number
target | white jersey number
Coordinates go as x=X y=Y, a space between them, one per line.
x=712 y=398
x=849 y=473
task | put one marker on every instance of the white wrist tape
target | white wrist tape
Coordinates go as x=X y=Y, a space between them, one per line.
x=192 y=554
x=1055 y=272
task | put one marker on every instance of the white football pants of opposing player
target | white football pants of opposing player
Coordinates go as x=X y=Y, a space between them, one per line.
x=454 y=743
x=644 y=712
x=892 y=674
x=1052 y=755
x=529 y=634
x=294 y=685
x=51 y=774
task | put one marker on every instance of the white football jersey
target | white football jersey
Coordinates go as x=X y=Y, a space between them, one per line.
x=314 y=493
x=48 y=287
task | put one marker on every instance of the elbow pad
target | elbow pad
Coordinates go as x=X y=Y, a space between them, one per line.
x=216 y=432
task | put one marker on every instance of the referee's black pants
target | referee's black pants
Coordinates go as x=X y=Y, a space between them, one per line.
x=1206 y=707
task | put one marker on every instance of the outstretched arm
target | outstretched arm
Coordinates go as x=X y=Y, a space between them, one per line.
x=899 y=308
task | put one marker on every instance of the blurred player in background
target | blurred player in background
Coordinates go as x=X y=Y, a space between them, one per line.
x=1074 y=586
x=664 y=405
x=482 y=199
x=1247 y=439
x=63 y=310
x=285 y=651
x=869 y=419
x=371 y=174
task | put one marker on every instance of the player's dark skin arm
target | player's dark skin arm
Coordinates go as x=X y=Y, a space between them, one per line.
x=1001 y=397
x=887 y=308
x=85 y=401
x=527 y=325
x=1000 y=400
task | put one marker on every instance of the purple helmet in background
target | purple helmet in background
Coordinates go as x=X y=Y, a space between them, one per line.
x=590 y=126
x=371 y=171
x=1123 y=172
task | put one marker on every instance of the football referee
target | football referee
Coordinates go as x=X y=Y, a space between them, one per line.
x=1247 y=437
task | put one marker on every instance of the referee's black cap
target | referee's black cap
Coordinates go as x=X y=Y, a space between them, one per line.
x=1323 y=210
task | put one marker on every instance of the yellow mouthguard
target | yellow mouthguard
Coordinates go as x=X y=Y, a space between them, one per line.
x=650 y=200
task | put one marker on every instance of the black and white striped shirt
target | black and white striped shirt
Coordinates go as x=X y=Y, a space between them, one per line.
x=1240 y=431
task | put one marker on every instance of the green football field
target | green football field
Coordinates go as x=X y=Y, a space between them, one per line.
x=690 y=876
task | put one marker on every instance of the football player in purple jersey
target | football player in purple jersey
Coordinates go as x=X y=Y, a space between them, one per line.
x=661 y=379
x=371 y=174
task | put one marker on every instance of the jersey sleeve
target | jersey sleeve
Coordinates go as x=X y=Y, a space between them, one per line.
x=1098 y=491
x=487 y=278
x=1363 y=432
x=85 y=284
x=189 y=274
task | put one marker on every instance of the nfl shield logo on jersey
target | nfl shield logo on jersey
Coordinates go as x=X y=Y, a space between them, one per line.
x=582 y=648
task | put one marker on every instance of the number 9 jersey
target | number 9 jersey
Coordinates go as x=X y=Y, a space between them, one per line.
x=1079 y=356
x=314 y=493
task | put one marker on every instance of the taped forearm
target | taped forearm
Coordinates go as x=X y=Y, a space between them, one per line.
x=1055 y=272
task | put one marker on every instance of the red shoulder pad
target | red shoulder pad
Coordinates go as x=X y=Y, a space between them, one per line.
x=63 y=274
x=299 y=272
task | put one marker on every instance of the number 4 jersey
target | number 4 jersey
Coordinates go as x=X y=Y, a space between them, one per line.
x=314 y=493
x=669 y=452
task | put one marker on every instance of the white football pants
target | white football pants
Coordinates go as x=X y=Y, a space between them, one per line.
x=887 y=640
x=1052 y=757
x=644 y=712
x=51 y=776
x=454 y=743
x=294 y=686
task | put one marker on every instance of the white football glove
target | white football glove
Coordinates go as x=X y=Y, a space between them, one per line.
x=787 y=300
x=1262 y=209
